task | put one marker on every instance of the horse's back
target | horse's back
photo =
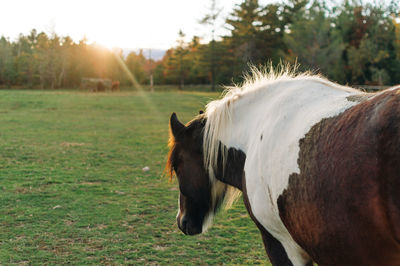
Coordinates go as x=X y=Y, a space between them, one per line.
x=343 y=207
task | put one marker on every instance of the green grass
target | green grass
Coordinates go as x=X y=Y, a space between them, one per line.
x=72 y=189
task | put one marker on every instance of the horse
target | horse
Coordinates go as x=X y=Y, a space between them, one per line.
x=115 y=85
x=317 y=163
x=100 y=87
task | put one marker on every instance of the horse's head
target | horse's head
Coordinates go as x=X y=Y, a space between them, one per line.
x=198 y=199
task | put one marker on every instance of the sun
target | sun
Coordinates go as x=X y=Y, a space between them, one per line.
x=105 y=40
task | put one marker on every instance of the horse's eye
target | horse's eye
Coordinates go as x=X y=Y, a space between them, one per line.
x=177 y=170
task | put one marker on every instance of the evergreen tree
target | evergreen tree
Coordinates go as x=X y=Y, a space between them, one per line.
x=371 y=48
x=244 y=24
x=8 y=71
x=312 y=41
x=270 y=36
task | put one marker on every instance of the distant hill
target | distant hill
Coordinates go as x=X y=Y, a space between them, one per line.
x=156 y=54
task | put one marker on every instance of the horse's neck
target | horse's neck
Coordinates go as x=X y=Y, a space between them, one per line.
x=275 y=118
x=242 y=125
x=246 y=114
x=283 y=100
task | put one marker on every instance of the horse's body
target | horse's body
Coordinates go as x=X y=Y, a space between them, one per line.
x=115 y=85
x=318 y=165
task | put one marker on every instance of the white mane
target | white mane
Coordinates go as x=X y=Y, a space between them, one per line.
x=219 y=112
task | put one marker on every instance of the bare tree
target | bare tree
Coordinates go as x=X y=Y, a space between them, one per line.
x=211 y=19
x=180 y=53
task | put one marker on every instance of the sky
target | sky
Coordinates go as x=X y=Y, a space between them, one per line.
x=127 y=24
x=116 y=23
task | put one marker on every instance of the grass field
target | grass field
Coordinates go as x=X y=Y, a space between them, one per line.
x=72 y=189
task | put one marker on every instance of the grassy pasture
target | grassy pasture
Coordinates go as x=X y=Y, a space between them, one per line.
x=72 y=189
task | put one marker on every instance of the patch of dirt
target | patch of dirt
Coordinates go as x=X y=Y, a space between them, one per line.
x=100 y=226
x=71 y=144
x=68 y=222
x=23 y=190
x=90 y=183
x=130 y=228
x=160 y=248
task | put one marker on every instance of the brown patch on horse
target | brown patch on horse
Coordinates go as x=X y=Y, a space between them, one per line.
x=343 y=208
x=231 y=173
x=115 y=85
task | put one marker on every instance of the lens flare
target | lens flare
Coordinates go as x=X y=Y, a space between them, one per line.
x=138 y=87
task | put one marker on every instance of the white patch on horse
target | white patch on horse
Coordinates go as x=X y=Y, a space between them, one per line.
x=179 y=208
x=207 y=222
x=282 y=108
x=217 y=190
x=394 y=88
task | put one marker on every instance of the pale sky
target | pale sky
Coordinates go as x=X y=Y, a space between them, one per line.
x=112 y=23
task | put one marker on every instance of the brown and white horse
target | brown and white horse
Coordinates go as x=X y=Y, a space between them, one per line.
x=318 y=165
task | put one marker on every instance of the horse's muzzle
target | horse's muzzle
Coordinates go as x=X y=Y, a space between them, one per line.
x=187 y=226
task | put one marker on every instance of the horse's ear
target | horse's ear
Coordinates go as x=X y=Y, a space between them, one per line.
x=201 y=112
x=177 y=128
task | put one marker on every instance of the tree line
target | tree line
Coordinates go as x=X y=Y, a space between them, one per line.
x=353 y=43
